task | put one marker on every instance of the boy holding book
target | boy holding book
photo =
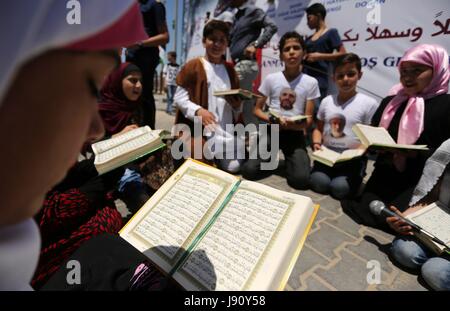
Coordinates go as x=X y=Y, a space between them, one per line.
x=197 y=82
x=335 y=118
x=279 y=87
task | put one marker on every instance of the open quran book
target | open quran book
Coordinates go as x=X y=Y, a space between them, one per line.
x=297 y=118
x=243 y=94
x=435 y=219
x=211 y=231
x=330 y=157
x=379 y=138
x=120 y=150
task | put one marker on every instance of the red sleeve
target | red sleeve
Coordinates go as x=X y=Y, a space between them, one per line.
x=62 y=211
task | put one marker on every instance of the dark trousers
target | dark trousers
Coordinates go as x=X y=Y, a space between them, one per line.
x=147 y=64
x=292 y=143
x=388 y=185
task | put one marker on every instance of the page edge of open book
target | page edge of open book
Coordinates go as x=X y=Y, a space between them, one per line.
x=106 y=167
x=418 y=213
x=322 y=161
x=297 y=252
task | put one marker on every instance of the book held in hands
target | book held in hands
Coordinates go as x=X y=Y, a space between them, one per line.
x=330 y=157
x=210 y=230
x=434 y=219
x=379 y=138
x=298 y=118
x=243 y=94
x=370 y=137
x=122 y=149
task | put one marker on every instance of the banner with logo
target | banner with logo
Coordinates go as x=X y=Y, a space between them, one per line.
x=378 y=31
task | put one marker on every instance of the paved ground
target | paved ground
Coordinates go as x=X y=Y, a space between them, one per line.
x=338 y=253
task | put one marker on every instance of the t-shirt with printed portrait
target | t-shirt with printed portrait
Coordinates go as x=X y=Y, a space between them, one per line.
x=339 y=119
x=304 y=86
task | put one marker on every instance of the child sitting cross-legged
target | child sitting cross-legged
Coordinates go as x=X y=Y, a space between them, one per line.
x=335 y=118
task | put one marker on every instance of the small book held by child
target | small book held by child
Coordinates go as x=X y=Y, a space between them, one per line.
x=434 y=219
x=278 y=114
x=379 y=138
x=330 y=158
x=125 y=148
x=243 y=94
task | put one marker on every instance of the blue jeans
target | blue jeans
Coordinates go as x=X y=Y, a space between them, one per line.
x=129 y=176
x=132 y=190
x=410 y=253
x=171 y=89
x=341 y=181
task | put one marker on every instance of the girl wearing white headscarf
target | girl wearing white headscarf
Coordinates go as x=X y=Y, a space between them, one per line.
x=50 y=71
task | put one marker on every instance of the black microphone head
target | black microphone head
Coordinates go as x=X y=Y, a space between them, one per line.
x=376 y=207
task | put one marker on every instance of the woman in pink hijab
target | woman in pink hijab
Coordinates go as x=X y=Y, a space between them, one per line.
x=417 y=113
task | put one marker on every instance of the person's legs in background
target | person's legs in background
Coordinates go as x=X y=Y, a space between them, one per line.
x=132 y=190
x=347 y=178
x=147 y=64
x=148 y=101
x=298 y=168
x=247 y=71
x=341 y=181
x=171 y=89
x=260 y=151
x=320 y=180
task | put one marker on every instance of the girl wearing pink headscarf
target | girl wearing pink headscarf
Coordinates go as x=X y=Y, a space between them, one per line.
x=417 y=113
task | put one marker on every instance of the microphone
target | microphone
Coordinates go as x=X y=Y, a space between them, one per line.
x=379 y=208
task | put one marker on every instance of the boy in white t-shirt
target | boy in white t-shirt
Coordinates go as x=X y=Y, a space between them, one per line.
x=280 y=88
x=170 y=72
x=335 y=118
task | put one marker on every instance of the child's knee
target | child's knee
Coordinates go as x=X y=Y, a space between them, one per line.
x=436 y=272
x=250 y=169
x=339 y=188
x=320 y=182
x=408 y=253
x=300 y=180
